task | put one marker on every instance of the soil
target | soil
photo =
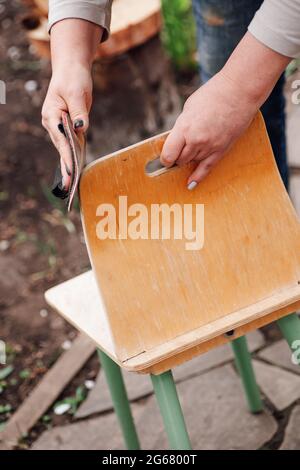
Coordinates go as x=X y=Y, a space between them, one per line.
x=136 y=95
x=33 y=225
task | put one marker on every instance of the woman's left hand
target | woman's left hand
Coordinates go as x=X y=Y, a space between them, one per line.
x=212 y=119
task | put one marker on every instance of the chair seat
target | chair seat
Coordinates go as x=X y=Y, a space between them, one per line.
x=79 y=302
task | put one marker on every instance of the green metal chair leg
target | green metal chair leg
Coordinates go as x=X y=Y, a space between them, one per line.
x=120 y=401
x=245 y=369
x=290 y=329
x=169 y=405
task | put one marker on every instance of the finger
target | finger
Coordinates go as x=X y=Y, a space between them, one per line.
x=172 y=147
x=203 y=169
x=65 y=154
x=78 y=110
x=65 y=176
x=201 y=155
x=52 y=123
x=63 y=147
x=189 y=153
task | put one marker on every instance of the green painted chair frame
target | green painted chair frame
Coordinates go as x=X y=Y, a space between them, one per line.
x=166 y=393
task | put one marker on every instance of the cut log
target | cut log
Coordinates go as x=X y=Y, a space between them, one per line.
x=42 y=6
x=133 y=23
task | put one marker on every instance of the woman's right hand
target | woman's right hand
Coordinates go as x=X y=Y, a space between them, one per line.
x=71 y=91
x=73 y=44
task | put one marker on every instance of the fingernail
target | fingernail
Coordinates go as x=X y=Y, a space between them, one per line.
x=61 y=128
x=68 y=170
x=78 y=123
x=58 y=189
x=192 y=185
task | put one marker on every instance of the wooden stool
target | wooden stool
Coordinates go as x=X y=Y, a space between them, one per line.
x=162 y=304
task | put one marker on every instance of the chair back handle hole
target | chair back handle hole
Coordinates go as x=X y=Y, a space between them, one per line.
x=156 y=168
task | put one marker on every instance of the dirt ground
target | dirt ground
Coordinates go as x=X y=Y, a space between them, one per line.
x=39 y=244
x=33 y=226
x=136 y=95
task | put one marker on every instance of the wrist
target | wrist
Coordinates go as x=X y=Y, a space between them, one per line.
x=240 y=90
x=74 y=41
x=254 y=69
x=74 y=66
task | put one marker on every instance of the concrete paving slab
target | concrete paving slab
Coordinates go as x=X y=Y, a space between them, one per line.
x=280 y=355
x=280 y=386
x=291 y=439
x=92 y=434
x=216 y=415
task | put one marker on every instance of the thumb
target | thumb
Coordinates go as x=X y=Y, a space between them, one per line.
x=79 y=113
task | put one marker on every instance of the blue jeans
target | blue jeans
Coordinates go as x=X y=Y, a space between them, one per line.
x=220 y=26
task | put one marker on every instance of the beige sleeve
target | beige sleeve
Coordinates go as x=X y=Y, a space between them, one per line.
x=277 y=25
x=96 y=11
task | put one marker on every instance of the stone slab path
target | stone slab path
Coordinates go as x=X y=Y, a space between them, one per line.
x=212 y=399
x=215 y=412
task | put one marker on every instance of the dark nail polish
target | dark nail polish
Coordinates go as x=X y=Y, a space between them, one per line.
x=61 y=128
x=78 y=123
x=59 y=191
x=58 y=188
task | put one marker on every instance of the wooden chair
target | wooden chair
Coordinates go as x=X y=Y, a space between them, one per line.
x=161 y=304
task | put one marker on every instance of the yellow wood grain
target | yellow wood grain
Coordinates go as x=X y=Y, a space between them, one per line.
x=175 y=360
x=155 y=290
x=78 y=301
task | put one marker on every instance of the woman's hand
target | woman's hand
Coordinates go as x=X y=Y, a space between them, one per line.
x=70 y=90
x=212 y=119
x=73 y=44
x=218 y=112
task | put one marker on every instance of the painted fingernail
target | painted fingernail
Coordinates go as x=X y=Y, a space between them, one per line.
x=61 y=128
x=78 y=123
x=68 y=170
x=192 y=185
x=59 y=190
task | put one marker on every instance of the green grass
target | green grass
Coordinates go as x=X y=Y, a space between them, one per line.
x=179 y=33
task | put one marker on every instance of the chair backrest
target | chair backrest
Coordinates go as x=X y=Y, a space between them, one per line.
x=155 y=290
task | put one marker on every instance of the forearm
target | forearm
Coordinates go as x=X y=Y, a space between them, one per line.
x=254 y=69
x=94 y=11
x=74 y=42
x=220 y=110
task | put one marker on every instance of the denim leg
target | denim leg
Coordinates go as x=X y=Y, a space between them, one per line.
x=273 y=111
x=220 y=26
